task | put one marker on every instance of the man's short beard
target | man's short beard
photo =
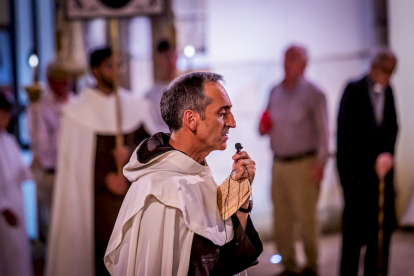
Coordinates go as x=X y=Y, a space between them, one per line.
x=108 y=83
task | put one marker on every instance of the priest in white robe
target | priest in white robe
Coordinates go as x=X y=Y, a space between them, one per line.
x=169 y=223
x=88 y=191
x=15 y=257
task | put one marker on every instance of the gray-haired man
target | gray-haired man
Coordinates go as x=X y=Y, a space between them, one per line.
x=367 y=132
x=169 y=223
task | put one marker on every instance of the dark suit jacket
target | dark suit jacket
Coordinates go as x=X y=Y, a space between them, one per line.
x=359 y=142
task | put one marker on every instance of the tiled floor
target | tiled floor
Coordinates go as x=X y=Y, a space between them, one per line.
x=401 y=261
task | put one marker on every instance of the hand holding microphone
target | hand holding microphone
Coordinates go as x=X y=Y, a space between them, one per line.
x=243 y=165
x=234 y=192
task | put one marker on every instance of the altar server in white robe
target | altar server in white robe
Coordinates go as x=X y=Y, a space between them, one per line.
x=169 y=223
x=88 y=191
x=15 y=257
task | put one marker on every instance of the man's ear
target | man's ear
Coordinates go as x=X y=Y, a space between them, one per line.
x=373 y=67
x=190 y=119
x=94 y=71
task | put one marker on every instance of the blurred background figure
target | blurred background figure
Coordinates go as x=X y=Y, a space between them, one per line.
x=48 y=116
x=298 y=133
x=367 y=132
x=89 y=189
x=165 y=59
x=14 y=243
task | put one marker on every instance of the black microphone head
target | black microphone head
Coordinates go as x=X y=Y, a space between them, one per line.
x=238 y=146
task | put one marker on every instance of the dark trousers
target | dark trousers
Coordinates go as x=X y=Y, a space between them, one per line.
x=360 y=225
x=354 y=237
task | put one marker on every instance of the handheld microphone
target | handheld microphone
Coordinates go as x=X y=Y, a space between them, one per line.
x=238 y=147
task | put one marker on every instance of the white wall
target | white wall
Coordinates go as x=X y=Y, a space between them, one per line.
x=401 y=24
x=245 y=43
x=260 y=30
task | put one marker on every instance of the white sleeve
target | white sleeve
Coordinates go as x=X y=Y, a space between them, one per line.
x=4 y=195
x=25 y=172
x=12 y=170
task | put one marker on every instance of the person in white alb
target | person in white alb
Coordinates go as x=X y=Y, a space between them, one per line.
x=15 y=259
x=48 y=115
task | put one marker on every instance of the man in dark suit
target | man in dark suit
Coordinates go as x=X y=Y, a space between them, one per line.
x=367 y=131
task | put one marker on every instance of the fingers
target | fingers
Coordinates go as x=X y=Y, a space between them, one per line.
x=247 y=171
x=241 y=155
x=243 y=166
x=118 y=185
x=121 y=155
x=382 y=169
x=243 y=162
x=11 y=218
x=381 y=173
x=239 y=164
x=241 y=159
x=248 y=167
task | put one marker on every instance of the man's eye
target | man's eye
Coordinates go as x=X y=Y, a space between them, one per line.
x=222 y=114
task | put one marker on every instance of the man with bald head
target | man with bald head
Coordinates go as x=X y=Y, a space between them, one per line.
x=298 y=131
x=367 y=131
x=45 y=138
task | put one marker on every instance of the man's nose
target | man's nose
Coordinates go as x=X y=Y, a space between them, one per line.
x=231 y=122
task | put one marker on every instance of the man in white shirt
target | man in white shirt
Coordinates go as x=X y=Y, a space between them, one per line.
x=47 y=113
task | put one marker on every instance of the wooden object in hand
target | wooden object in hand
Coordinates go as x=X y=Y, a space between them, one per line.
x=231 y=194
